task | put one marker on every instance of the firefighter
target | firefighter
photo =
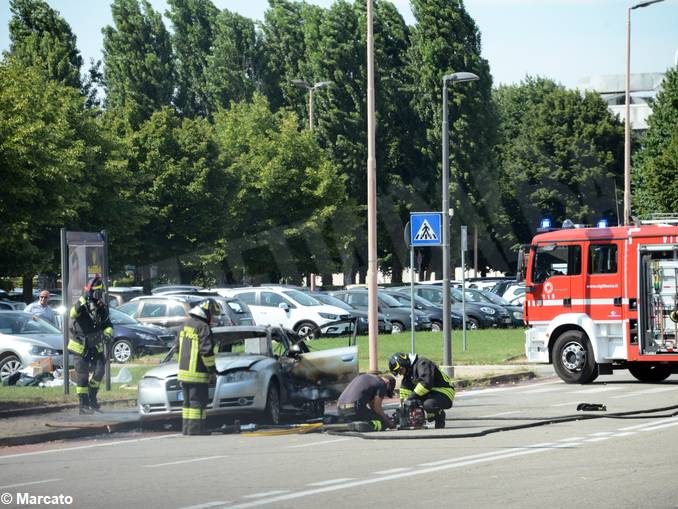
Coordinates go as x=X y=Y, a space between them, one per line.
x=360 y=403
x=90 y=327
x=196 y=366
x=423 y=381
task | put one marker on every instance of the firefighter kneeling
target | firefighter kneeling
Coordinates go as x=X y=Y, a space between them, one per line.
x=196 y=366
x=423 y=381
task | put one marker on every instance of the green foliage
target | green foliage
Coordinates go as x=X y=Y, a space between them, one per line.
x=41 y=38
x=561 y=155
x=656 y=166
x=137 y=62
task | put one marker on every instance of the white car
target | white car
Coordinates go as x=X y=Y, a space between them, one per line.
x=513 y=292
x=288 y=308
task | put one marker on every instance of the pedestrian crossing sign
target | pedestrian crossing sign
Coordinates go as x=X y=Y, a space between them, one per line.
x=426 y=229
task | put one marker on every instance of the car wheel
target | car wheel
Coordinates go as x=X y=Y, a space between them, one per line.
x=650 y=373
x=472 y=323
x=397 y=327
x=9 y=365
x=122 y=351
x=307 y=330
x=436 y=326
x=272 y=412
x=573 y=358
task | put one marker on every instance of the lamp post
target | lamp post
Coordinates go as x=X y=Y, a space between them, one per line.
x=627 y=112
x=456 y=77
x=311 y=88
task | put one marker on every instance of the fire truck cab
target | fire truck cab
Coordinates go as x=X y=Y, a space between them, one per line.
x=600 y=299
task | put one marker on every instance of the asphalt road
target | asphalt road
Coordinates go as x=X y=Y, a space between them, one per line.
x=614 y=461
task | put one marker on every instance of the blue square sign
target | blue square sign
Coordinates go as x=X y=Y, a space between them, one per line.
x=426 y=229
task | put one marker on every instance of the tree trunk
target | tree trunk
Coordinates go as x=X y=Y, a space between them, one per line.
x=27 y=282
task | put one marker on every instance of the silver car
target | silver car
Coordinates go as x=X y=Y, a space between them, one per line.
x=262 y=371
x=24 y=339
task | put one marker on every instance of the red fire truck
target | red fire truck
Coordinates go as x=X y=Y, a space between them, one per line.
x=600 y=299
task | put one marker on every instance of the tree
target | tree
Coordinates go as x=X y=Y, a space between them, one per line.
x=192 y=40
x=44 y=157
x=41 y=38
x=138 y=73
x=561 y=156
x=656 y=165
x=444 y=40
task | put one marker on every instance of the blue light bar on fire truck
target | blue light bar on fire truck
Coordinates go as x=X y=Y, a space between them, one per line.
x=602 y=223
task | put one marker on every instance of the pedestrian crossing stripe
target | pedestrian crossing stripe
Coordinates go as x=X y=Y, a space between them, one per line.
x=425 y=232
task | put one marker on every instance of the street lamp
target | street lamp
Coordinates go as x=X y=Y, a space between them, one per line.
x=457 y=77
x=311 y=88
x=627 y=112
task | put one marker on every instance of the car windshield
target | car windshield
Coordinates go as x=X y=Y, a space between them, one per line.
x=390 y=301
x=129 y=308
x=333 y=301
x=474 y=296
x=494 y=298
x=25 y=323
x=119 y=318
x=302 y=298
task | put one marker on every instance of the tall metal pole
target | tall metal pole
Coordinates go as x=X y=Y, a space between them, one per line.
x=372 y=267
x=627 y=124
x=627 y=113
x=447 y=338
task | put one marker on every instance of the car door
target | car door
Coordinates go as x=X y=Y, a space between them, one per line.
x=275 y=315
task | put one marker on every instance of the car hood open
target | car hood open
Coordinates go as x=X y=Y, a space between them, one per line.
x=223 y=362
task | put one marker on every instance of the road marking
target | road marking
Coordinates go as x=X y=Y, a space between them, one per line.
x=538 y=391
x=81 y=447
x=208 y=504
x=330 y=481
x=572 y=439
x=319 y=443
x=596 y=390
x=452 y=463
x=500 y=413
x=181 y=462
x=265 y=494
x=391 y=471
x=597 y=439
x=28 y=483
x=601 y=434
x=646 y=424
x=661 y=426
x=485 y=392
x=624 y=434
x=654 y=390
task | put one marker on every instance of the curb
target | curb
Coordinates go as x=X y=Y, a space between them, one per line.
x=46 y=409
x=495 y=380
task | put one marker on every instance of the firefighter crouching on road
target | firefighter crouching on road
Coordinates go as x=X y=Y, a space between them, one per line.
x=196 y=366
x=360 y=403
x=90 y=326
x=423 y=381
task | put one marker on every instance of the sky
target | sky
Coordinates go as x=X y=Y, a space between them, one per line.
x=564 y=40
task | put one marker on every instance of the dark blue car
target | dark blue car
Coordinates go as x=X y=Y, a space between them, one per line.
x=131 y=338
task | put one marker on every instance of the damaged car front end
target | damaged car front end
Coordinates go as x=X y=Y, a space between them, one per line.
x=264 y=371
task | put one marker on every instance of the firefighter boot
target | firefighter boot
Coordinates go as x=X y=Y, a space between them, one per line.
x=85 y=408
x=93 y=400
x=440 y=419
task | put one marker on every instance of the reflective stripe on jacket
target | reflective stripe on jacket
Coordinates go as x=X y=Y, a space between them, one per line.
x=87 y=327
x=196 y=352
x=424 y=377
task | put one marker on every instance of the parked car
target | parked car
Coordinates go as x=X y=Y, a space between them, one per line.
x=288 y=308
x=500 y=287
x=515 y=311
x=158 y=290
x=118 y=295
x=384 y=324
x=433 y=311
x=11 y=305
x=479 y=315
x=166 y=311
x=513 y=291
x=260 y=370
x=24 y=339
x=132 y=338
x=397 y=313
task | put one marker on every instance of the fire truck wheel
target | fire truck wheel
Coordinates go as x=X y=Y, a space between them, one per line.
x=650 y=373
x=573 y=359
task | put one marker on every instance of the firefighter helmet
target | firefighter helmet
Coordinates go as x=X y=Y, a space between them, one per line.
x=397 y=361
x=205 y=310
x=95 y=289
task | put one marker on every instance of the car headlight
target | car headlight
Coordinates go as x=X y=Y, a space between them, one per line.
x=487 y=311
x=238 y=376
x=150 y=383
x=147 y=337
x=329 y=316
x=362 y=319
x=44 y=351
x=518 y=315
